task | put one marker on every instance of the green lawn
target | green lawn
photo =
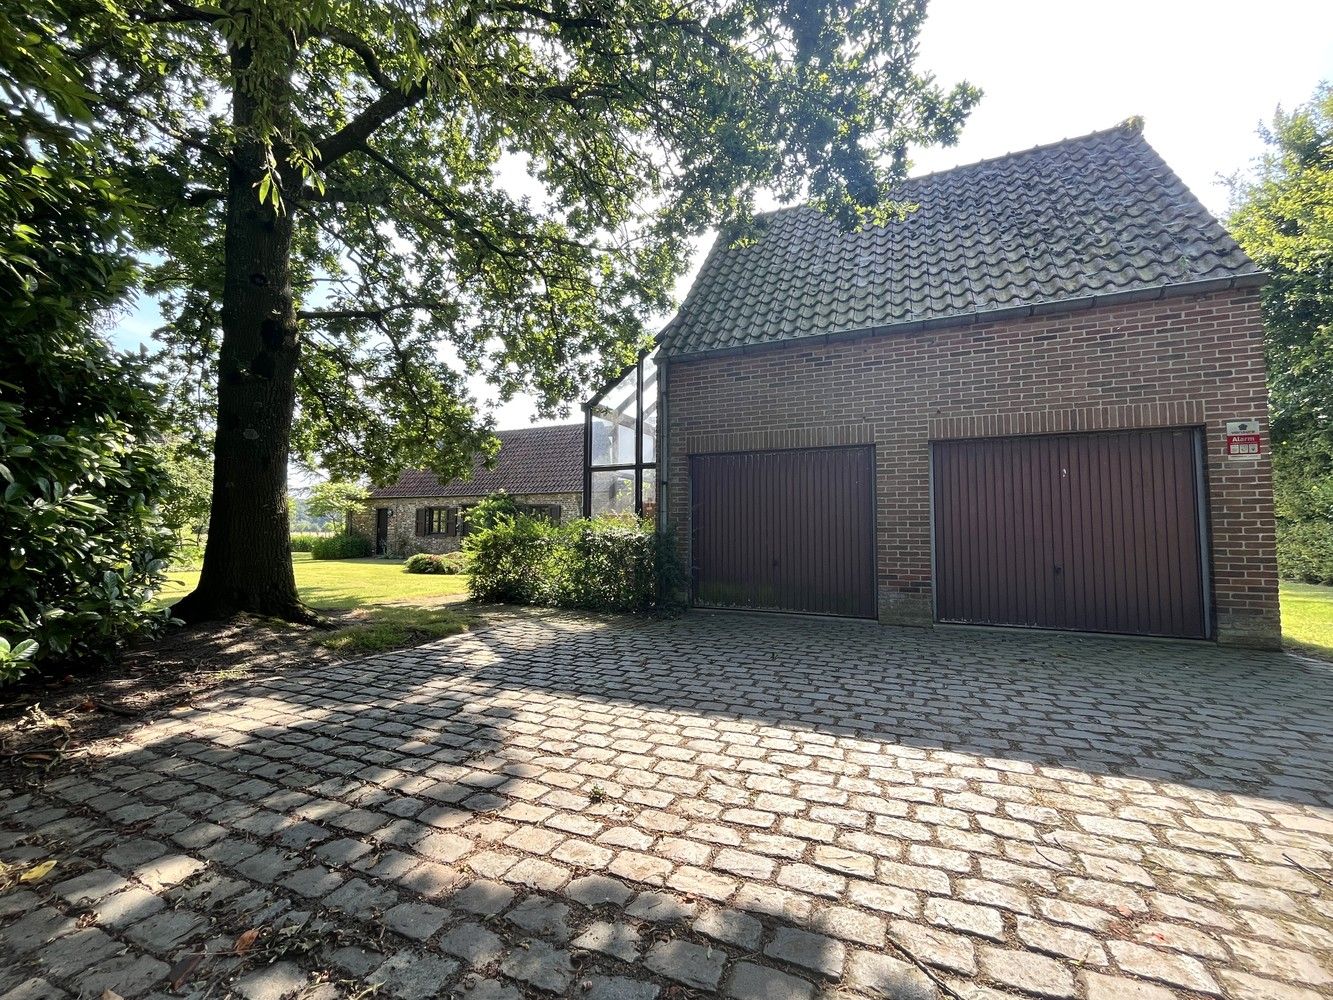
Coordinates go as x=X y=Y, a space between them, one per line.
x=387 y=607
x=340 y=584
x=1307 y=617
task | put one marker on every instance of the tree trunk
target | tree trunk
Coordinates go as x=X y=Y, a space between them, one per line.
x=247 y=560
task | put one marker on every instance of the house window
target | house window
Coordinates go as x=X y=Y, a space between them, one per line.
x=438 y=523
x=437 y=520
x=620 y=445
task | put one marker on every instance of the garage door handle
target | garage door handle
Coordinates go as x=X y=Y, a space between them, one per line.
x=1058 y=570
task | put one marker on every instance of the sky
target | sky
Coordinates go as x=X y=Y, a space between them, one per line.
x=1202 y=73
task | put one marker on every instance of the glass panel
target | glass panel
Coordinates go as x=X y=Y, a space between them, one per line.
x=649 y=409
x=649 y=490
x=614 y=423
x=613 y=493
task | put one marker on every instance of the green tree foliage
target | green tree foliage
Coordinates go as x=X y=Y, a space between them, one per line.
x=189 y=495
x=1283 y=217
x=363 y=202
x=82 y=547
x=336 y=500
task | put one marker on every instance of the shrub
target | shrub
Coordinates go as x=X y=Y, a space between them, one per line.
x=341 y=546
x=511 y=560
x=1305 y=551
x=83 y=547
x=605 y=564
x=305 y=543
x=428 y=562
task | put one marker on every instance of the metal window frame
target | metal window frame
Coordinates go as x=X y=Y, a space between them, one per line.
x=638 y=466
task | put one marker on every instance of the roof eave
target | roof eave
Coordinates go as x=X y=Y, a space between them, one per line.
x=1079 y=303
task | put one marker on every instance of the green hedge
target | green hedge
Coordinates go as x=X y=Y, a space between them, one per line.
x=428 y=562
x=341 y=547
x=605 y=565
x=306 y=543
x=1305 y=551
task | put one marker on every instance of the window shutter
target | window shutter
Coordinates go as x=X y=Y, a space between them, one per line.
x=423 y=515
x=553 y=512
x=451 y=521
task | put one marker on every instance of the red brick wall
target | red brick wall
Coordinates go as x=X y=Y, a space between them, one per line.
x=1184 y=361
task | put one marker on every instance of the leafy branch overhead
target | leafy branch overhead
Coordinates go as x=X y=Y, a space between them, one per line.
x=505 y=188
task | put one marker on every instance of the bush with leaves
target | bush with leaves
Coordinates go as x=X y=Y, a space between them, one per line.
x=305 y=543
x=608 y=564
x=82 y=544
x=451 y=563
x=341 y=547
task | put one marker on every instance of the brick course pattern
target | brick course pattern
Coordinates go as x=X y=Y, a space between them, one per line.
x=403 y=538
x=575 y=806
x=1185 y=361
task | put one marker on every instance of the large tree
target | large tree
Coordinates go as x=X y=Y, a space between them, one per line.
x=362 y=202
x=1283 y=216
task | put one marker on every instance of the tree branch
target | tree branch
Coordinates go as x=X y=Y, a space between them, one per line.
x=363 y=49
x=372 y=313
x=354 y=134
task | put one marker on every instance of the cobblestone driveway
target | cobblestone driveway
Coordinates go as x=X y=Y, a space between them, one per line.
x=761 y=808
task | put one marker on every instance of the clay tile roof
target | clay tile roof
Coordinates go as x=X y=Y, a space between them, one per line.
x=531 y=460
x=1078 y=220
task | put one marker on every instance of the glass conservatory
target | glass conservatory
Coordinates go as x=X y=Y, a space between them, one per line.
x=620 y=445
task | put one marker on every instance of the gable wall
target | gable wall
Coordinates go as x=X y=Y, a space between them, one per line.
x=1183 y=361
x=403 y=538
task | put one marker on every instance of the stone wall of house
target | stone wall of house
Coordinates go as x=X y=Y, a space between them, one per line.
x=1183 y=361
x=403 y=538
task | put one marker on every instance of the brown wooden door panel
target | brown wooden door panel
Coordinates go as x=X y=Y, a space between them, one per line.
x=1090 y=532
x=785 y=530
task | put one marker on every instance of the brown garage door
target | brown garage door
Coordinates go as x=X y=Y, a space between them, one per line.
x=1096 y=532
x=785 y=530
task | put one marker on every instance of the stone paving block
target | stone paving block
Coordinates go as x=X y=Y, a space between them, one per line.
x=314 y=882
x=968 y=918
x=1103 y=987
x=361 y=899
x=731 y=927
x=618 y=988
x=540 y=965
x=74 y=953
x=473 y=943
x=129 y=976
x=824 y=955
x=935 y=947
x=35 y=929
x=882 y=975
x=542 y=916
x=686 y=963
x=1162 y=966
x=34 y=989
x=409 y=976
x=165 y=872
x=618 y=939
x=417 y=921
x=661 y=908
x=1026 y=971
x=483 y=898
x=598 y=890
x=91 y=886
x=756 y=982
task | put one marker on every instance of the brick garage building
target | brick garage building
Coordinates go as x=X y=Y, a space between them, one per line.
x=538 y=466
x=1010 y=407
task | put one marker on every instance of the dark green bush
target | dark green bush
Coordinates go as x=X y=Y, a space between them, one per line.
x=341 y=546
x=82 y=545
x=1305 y=551
x=450 y=563
x=424 y=562
x=305 y=543
x=604 y=565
